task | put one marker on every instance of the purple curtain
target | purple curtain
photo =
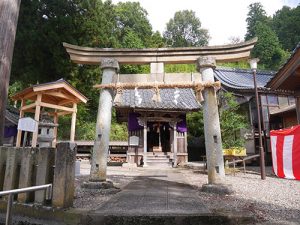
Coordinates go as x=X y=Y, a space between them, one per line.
x=10 y=131
x=181 y=126
x=133 y=123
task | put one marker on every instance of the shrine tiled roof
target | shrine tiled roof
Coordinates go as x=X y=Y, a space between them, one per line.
x=181 y=99
x=242 y=79
x=12 y=115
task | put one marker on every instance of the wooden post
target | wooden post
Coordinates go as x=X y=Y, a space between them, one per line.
x=175 y=143
x=73 y=123
x=37 y=118
x=55 y=120
x=185 y=142
x=9 y=12
x=19 y=135
x=145 y=143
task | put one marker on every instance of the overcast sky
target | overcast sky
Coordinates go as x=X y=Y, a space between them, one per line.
x=223 y=18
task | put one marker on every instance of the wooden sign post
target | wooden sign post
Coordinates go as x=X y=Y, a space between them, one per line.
x=27 y=124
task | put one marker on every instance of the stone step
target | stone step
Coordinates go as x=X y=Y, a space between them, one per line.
x=159 y=164
x=158 y=157
x=158 y=160
x=158 y=153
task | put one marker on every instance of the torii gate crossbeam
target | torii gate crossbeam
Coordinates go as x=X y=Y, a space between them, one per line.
x=223 y=53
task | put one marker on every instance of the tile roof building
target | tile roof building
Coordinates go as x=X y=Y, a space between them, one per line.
x=277 y=107
x=11 y=124
x=241 y=79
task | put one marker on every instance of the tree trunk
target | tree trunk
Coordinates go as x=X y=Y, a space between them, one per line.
x=9 y=12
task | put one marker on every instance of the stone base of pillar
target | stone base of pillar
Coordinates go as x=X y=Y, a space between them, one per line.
x=98 y=185
x=220 y=189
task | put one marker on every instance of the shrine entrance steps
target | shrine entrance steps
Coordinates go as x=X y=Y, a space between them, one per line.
x=158 y=159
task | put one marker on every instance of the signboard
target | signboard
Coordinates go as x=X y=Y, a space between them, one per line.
x=27 y=124
x=133 y=141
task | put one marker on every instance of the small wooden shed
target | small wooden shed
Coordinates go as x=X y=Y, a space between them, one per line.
x=59 y=96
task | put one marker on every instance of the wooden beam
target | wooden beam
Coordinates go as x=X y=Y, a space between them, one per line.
x=59 y=95
x=29 y=110
x=30 y=106
x=19 y=135
x=55 y=130
x=29 y=95
x=63 y=113
x=62 y=85
x=66 y=102
x=37 y=118
x=73 y=123
x=52 y=106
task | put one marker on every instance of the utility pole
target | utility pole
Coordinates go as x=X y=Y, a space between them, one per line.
x=253 y=65
x=9 y=12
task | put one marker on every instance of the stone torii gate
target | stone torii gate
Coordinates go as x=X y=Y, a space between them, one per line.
x=204 y=57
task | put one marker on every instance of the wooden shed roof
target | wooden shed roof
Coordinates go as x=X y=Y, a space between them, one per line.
x=56 y=91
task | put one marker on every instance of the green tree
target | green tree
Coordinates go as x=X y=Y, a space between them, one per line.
x=42 y=27
x=268 y=48
x=231 y=121
x=286 y=24
x=195 y=124
x=156 y=41
x=97 y=25
x=184 y=30
x=131 y=19
x=256 y=14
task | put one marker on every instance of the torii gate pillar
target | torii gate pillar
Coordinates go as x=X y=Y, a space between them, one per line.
x=212 y=131
x=109 y=67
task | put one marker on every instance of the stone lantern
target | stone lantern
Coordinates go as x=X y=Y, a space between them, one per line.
x=46 y=130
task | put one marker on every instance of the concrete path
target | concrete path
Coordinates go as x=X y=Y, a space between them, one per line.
x=156 y=192
x=159 y=196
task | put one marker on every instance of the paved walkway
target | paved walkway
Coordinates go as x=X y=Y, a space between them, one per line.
x=155 y=192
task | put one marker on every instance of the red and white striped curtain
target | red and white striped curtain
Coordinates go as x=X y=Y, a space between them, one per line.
x=285 y=145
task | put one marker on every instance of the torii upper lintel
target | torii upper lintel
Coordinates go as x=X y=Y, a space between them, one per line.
x=222 y=53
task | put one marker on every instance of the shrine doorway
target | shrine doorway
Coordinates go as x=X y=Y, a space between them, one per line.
x=158 y=137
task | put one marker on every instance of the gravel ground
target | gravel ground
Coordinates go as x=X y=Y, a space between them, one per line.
x=272 y=201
